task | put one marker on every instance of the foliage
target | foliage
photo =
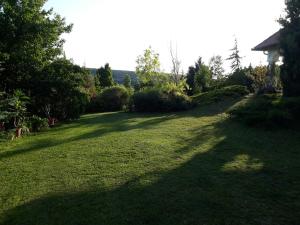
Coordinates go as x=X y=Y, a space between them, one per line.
x=13 y=108
x=127 y=81
x=260 y=74
x=235 y=58
x=148 y=68
x=241 y=77
x=29 y=40
x=203 y=78
x=31 y=60
x=58 y=91
x=158 y=100
x=216 y=67
x=110 y=99
x=87 y=83
x=105 y=77
x=173 y=87
x=198 y=78
x=269 y=111
x=191 y=77
x=37 y=124
x=290 y=47
x=4 y=114
x=221 y=94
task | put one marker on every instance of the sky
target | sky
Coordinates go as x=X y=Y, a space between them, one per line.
x=118 y=31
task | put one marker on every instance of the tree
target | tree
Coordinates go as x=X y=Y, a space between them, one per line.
x=176 y=76
x=191 y=77
x=127 y=81
x=60 y=91
x=105 y=77
x=13 y=108
x=235 y=57
x=198 y=78
x=290 y=47
x=148 y=68
x=30 y=39
x=203 y=78
x=216 y=67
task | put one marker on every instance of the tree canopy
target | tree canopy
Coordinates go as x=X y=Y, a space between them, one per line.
x=290 y=47
x=216 y=67
x=105 y=76
x=148 y=68
x=30 y=39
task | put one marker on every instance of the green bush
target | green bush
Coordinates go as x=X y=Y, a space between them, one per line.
x=37 y=124
x=158 y=100
x=217 y=95
x=241 y=77
x=268 y=111
x=110 y=99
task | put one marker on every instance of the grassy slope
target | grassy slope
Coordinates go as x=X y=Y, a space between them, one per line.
x=187 y=168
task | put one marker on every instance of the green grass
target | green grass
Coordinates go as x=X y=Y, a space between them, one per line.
x=196 y=168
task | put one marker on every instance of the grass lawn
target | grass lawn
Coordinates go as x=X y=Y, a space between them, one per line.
x=196 y=168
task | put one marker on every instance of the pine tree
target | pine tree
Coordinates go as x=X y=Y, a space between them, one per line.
x=290 y=48
x=235 y=57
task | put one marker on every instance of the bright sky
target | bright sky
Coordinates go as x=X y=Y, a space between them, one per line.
x=117 y=31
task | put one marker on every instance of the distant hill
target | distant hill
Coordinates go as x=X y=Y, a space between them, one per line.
x=119 y=75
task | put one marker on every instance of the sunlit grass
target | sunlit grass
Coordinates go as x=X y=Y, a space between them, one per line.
x=194 y=167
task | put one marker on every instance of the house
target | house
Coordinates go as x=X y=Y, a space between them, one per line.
x=271 y=47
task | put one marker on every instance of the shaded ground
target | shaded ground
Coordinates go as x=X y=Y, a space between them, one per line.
x=194 y=167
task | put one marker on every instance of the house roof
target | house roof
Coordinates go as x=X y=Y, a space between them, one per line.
x=270 y=43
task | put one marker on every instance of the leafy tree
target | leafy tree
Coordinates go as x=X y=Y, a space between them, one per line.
x=127 y=81
x=235 y=57
x=216 y=67
x=191 y=77
x=30 y=39
x=13 y=108
x=88 y=85
x=148 y=68
x=203 y=78
x=59 y=91
x=105 y=76
x=290 y=46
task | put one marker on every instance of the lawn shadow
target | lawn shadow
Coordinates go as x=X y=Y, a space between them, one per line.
x=239 y=180
x=107 y=123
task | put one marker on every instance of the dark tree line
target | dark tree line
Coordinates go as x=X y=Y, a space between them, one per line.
x=290 y=47
x=32 y=60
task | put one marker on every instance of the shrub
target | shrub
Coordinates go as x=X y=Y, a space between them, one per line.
x=268 y=111
x=37 y=124
x=110 y=99
x=241 y=77
x=217 y=95
x=158 y=100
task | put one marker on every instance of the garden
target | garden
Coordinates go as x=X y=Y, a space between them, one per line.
x=201 y=147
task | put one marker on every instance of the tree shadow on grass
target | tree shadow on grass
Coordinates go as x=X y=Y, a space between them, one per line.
x=104 y=124
x=242 y=179
x=107 y=123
